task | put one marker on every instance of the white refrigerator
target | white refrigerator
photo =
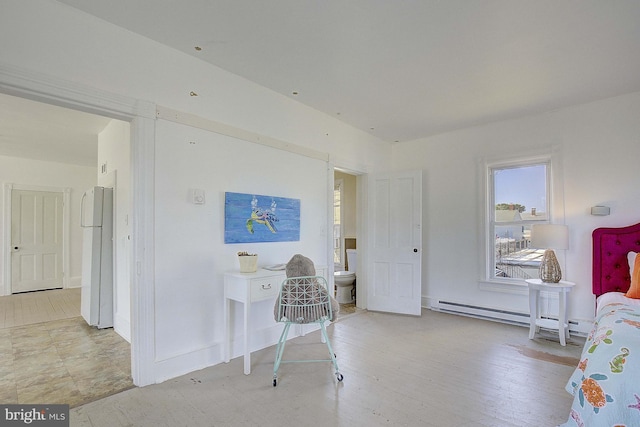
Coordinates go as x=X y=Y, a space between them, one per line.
x=96 y=220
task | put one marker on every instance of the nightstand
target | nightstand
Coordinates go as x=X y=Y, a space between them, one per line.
x=562 y=288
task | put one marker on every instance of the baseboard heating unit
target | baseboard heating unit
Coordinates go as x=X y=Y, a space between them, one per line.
x=498 y=315
x=506 y=316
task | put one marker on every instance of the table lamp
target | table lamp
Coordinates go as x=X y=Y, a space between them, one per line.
x=550 y=237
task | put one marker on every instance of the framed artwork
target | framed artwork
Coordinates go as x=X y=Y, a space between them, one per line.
x=250 y=218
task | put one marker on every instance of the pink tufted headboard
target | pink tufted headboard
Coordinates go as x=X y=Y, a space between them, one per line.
x=610 y=266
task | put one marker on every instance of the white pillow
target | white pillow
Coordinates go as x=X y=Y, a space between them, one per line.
x=631 y=258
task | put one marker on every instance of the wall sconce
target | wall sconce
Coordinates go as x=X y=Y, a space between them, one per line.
x=600 y=210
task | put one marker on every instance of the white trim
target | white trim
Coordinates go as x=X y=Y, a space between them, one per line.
x=224 y=129
x=66 y=230
x=173 y=366
x=360 y=172
x=555 y=205
x=66 y=237
x=143 y=251
x=340 y=184
x=349 y=167
x=40 y=87
x=330 y=263
x=516 y=288
x=7 y=233
x=362 y=239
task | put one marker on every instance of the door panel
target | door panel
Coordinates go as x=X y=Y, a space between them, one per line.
x=395 y=204
x=36 y=240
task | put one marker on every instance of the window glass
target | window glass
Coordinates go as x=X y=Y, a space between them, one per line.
x=520 y=193
x=519 y=198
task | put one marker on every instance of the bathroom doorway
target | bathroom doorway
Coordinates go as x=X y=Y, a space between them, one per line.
x=344 y=239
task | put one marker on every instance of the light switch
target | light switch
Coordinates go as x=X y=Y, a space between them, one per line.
x=198 y=196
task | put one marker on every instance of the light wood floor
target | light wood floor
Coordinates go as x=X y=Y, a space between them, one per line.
x=36 y=307
x=436 y=370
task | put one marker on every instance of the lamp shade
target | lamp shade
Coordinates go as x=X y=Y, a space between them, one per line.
x=549 y=236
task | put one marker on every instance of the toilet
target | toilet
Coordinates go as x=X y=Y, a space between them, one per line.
x=345 y=280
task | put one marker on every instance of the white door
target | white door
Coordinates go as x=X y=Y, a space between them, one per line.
x=36 y=240
x=395 y=243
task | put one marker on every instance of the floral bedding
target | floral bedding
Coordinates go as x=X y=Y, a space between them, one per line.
x=606 y=383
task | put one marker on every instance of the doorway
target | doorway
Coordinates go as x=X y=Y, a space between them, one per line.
x=50 y=216
x=141 y=115
x=345 y=214
x=389 y=240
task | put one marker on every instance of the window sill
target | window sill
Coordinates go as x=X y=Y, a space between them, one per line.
x=515 y=287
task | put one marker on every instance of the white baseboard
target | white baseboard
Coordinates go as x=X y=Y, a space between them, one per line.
x=185 y=363
x=75 y=282
x=181 y=364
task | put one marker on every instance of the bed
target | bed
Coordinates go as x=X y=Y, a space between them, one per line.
x=606 y=382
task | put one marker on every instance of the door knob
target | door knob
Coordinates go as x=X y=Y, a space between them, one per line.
x=415 y=249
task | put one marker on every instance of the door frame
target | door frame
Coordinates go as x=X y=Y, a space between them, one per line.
x=141 y=114
x=66 y=221
x=361 y=172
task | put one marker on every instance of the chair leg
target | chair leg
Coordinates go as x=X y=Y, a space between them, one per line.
x=280 y=351
x=332 y=355
x=323 y=339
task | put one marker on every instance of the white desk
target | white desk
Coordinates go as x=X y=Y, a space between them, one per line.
x=535 y=322
x=248 y=288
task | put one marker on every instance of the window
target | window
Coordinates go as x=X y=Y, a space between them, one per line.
x=519 y=196
x=337 y=224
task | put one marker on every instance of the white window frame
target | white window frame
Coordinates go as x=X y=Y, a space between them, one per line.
x=339 y=186
x=555 y=210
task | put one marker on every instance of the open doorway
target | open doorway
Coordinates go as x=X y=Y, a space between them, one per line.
x=345 y=243
x=50 y=151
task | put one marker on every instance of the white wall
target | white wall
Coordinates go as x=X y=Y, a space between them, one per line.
x=29 y=172
x=114 y=170
x=64 y=43
x=191 y=254
x=599 y=149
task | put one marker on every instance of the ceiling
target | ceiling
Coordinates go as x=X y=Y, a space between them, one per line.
x=402 y=70
x=34 y=130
